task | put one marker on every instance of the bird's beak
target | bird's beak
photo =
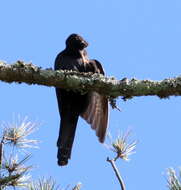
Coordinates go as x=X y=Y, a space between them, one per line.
x=84 y=43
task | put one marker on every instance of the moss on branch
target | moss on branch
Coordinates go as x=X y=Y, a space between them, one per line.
x=28 y=73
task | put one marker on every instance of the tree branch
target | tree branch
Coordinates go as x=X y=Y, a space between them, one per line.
x=121 y=182
x=9 y=180
x=31 y=74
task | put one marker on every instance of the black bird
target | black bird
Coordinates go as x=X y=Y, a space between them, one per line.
x=91 y=106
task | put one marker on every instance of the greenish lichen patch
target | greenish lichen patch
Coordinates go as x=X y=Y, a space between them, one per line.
x=83 y=82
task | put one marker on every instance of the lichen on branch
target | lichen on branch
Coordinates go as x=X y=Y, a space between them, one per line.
x=127 y=88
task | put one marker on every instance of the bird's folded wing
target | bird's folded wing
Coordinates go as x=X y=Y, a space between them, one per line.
x=96 y=114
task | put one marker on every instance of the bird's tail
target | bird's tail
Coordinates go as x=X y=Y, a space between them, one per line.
x=63 y=155
x=66 y=139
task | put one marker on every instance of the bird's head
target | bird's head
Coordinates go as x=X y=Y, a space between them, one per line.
x=76 y=42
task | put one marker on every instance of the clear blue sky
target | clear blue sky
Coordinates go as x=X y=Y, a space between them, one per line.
x=131 y=39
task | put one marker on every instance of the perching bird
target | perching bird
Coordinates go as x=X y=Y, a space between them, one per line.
x=91 y=106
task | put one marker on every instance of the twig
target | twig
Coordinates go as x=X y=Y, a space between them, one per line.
x=77 y=187
x=1 y=150
x=117 y=173
x=6 y=181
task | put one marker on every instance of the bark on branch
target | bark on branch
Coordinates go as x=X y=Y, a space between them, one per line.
x=31 y=74
x=117 y=173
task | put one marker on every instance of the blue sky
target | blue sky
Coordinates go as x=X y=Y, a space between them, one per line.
x=131 y=39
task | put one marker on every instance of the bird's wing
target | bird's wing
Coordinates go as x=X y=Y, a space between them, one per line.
x=96 y=114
